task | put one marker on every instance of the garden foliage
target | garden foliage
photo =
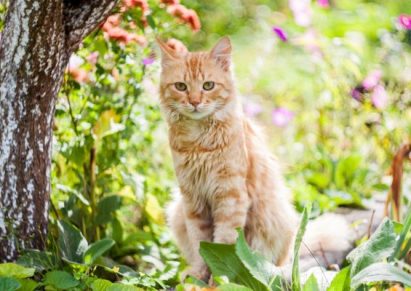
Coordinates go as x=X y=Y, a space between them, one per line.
x=330 y=82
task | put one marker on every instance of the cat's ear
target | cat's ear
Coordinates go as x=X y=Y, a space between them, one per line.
x=221 y=52
x=170 y=52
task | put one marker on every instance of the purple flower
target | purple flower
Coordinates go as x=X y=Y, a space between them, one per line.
x=323 y=3
x=281 y=116
x=372 y=80
x=252 y=109
x=379 y=97
x=405 y=21
x=357 y=94
x=280 y=33
x=148 y=61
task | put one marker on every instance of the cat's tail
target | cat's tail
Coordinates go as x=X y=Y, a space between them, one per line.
x=327 y=239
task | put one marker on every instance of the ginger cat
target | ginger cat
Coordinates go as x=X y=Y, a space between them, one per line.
x=227 y=176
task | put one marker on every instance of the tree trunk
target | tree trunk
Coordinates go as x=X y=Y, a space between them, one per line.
x=35 y=46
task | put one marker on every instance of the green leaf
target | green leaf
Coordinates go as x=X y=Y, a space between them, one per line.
x=345 y=170
x=71 y=242
x=341 y=281
x=15 y=271
x=381 y=272
x=9 y=284
x=122 y=287
x=27 y=285
x=105 y=208
x=151 y=21
x=60 y=280
x=276 y=284
x=311 y=284
x=296 y=284
x=223 y=261
x=380 y=246
x=259 y=267
x=100 y=285
x=194 y=281
x=233 y=287
x=117 y=230
x=399 y=251
x=40 y=260
x=97 y=249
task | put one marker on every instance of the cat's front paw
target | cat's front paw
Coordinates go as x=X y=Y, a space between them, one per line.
x=201 y=273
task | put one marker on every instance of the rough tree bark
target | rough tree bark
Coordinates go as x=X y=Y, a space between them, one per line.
x=36 y=43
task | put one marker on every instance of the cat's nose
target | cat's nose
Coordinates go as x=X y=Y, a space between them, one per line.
x=195 y=102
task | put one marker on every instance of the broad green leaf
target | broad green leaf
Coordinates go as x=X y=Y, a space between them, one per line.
x=60 y=280
x=97 y=249
x=122 y=287
x=100 y=285
x=311 y=284
x=381 y=272
x=401 y=251
x=223 y=261
x=40 y=260
x=9 y=284
x=233 y=287
x=258 y=266
x=296 y=283
x=345 y=170
x=27 y=285
x=71 y=242
x=105 y=208
x=341 y=281
x=15 y=271
x=380 y=246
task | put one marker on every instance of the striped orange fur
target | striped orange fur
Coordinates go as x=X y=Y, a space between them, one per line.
x=227 y=176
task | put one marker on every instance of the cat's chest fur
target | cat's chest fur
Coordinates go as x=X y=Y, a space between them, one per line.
x=203 y=153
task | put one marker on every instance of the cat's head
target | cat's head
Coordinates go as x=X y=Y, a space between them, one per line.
x=196 y=84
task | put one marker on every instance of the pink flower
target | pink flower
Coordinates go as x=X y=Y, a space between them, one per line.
x=92 y=58
x=372 y=79
x=252 y=109
x=148 y=61
x=379 y=97
x=302 y=11
x=281 y=116
x=323 y=3
x=405 y=21
x=280 y=33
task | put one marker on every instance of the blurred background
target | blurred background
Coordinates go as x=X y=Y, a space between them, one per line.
x=330 y=81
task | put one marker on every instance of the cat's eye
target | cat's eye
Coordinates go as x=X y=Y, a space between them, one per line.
x=209 y=85
x=180 y=86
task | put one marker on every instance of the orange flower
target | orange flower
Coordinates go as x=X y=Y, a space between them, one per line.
x=136 y=3
x=177 y=10
x=117 y=33
x=112 y=21
x=193 y=20
x=188 y=16
x=79 y=75
x=170 y=2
